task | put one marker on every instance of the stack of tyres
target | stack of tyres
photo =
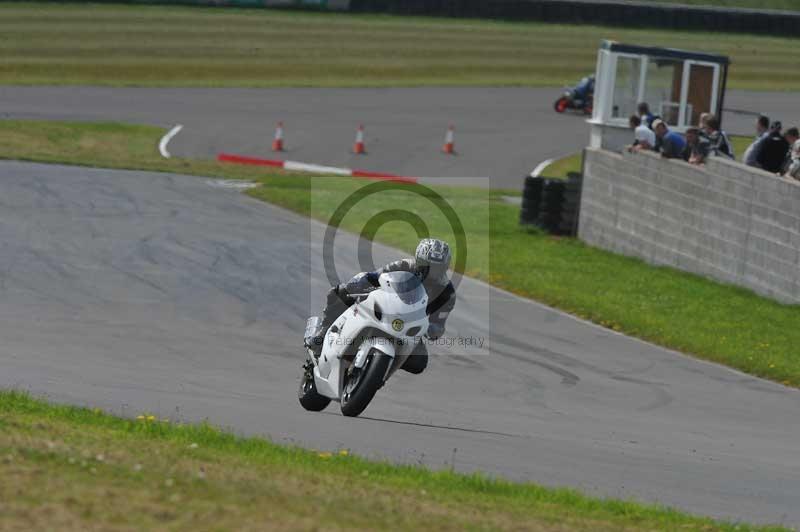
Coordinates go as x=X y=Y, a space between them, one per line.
x=531 y=201
x=550 y=209
x=551 y=204
x=570 y=206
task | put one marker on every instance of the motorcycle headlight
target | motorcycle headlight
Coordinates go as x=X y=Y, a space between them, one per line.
x=378 y=311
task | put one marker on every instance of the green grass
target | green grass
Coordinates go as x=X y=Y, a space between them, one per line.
x=697 y=316
x=740 y=144
x=121 y=45
x=563 y=167
x=69 y=468
x=107 y=145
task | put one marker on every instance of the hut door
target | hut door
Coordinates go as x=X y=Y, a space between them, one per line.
x=700 y=82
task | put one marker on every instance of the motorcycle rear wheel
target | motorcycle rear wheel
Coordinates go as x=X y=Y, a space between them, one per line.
x=307 y=393
x=360 y=386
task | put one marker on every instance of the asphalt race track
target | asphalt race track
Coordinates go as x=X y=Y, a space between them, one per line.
x=153 y=292
x=502 y=133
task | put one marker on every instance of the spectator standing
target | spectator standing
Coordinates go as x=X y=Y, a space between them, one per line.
x=697 y=148
x=669 y=143
x=720 y=143
x=643 y=136
x=793 y=164
x=753 y=152
x=774 y=150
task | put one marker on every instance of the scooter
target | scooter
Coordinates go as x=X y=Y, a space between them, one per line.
x=365 y=345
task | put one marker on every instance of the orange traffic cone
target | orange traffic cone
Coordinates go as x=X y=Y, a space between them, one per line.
x=358 y=147
x=277 y=143
x=449 y=146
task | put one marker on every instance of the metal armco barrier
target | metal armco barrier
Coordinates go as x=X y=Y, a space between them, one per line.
x=610 y=12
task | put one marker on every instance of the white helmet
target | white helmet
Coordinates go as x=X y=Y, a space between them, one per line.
x=432 y=256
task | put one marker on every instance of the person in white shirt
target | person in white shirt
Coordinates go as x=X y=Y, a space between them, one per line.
x=644 y=138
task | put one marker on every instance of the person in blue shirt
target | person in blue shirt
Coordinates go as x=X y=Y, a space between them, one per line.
x=669 y=143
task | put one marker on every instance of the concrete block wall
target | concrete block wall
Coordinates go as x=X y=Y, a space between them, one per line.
x=725 y=221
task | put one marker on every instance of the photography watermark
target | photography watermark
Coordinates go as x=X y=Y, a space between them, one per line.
x=383 y=217
x=442 y=341
x=395 y=292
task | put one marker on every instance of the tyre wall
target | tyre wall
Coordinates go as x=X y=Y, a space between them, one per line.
x=725 y=221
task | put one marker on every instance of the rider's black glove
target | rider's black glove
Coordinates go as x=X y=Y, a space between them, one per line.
x=362 y=283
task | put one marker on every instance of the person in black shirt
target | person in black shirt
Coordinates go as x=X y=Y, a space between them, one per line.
x=697 y=148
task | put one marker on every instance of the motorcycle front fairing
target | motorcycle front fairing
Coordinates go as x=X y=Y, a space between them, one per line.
x=390 y=319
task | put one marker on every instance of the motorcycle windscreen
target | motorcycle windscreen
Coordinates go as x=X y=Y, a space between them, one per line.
x=405 y=285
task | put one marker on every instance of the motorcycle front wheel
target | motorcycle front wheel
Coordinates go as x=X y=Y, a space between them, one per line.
x=561 y=104
x=360 y=385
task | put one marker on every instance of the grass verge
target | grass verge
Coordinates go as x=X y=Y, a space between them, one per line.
x=106 y=145
x=70 y=468
x=118 y=45
x=562 y=168
x=685 y=312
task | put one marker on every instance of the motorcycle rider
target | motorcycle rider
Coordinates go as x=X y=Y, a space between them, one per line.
x=430 y=263
x=584 y=90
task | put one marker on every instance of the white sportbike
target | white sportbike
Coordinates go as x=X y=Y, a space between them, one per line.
x=365 y=345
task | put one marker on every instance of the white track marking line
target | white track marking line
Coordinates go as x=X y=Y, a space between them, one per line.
x=236 y=185
x=540 y=167
x=304 y=167
x=162 y=146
